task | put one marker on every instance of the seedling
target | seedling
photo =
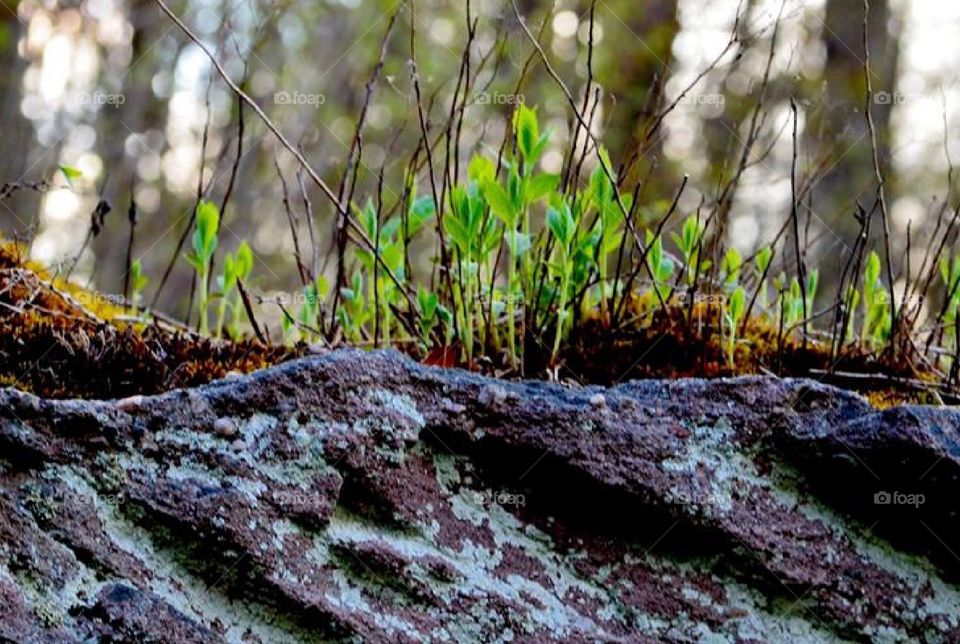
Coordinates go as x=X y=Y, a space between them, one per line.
x=138 y=282
x=876 y=304
x=688 y=241
x=762 y=264
x=733 y=314
x=204 y=246
x=563 y=226
x=235 y=268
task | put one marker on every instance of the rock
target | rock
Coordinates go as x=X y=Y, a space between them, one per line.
x=224 y=427
x=365 y=497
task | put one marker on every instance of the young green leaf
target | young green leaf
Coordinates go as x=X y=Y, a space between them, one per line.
x=561 y=224
x=70 y=173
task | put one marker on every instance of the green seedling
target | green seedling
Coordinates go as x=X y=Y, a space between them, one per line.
x=688 y=241
x=876 y=304
x=563 y=227
x=732 y=315
x=762 y=265
x=138 y=282
x=661 y=267
x=235 y=268
x=204 y=246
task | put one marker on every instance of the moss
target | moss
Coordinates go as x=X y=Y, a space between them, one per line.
x=678 y=342
x=60 y=341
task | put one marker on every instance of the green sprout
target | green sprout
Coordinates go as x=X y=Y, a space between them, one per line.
x=235 y=268
x=314 y=295
x=70 y=173
x=876 y=304
x=432 y=313
x=561 y=223
x=950 y=273
x=851 y=301
x=661 y=267
x=204 y=246
x=354 y=313
x=733 y=314
x=511 y=206
x=688 y=241
x=138 y=282
x=730 y=267
x=762 y=264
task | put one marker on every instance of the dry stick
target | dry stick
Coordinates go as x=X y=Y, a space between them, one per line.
x=308 y=209
x=132 y=220
x=894 y=331
x=943 y=310
x=573 y=105
x=96 y=225
x=291 y=220
x=619 y=266
x=658 y=121
x=376 y=273
x=462 y=82
x=586 y=102
x=926 y=253
x=424 y=132
x=249 y=309
x=587 y=148
x=637 y=198
x=658 y=231
x=471 y=36
x=353 y=163
x=235 y=168
x=725 y=200
x=314 y=176
x=844 y=312
x=933 y=268
x=200 y=191
x=795 y=217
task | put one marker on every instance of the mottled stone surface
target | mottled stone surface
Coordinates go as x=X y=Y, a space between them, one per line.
x=363 y=497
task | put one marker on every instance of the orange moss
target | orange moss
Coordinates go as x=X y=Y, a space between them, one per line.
x=58 y=340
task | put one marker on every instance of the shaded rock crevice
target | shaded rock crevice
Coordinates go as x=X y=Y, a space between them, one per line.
x=362 y=496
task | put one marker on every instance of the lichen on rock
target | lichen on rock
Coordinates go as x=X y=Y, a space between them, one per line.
x=361 y=496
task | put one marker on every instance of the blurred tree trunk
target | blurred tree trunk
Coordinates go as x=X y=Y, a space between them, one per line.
x=639 y=48
x=837 y=129
x=16 y=132
x=838 y=123
x=132 y=119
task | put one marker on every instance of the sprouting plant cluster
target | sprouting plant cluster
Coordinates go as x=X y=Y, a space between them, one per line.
x=236 y=267
x=526 y=259
x=523 y=261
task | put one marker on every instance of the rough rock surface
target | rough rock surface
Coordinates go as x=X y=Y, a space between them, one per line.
x=361 y=496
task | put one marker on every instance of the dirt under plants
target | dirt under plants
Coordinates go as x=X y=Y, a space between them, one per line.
x=58 y=341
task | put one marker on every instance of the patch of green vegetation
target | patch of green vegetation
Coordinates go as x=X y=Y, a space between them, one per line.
x=530 y=266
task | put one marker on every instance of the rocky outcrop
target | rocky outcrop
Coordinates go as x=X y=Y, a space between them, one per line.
x=362 y=496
